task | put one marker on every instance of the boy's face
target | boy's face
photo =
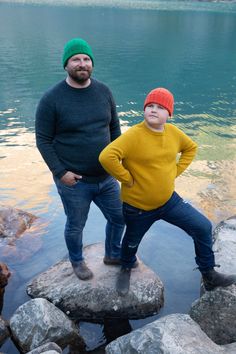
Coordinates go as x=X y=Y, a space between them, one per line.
x=155 y=116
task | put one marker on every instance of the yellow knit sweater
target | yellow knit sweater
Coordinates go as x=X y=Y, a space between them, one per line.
x=152 y=160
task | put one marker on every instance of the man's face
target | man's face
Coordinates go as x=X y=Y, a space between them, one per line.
x=79 y=67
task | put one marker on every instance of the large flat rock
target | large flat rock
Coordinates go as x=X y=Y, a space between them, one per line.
x=97 y=298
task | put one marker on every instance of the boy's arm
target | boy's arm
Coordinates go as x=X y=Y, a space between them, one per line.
x=188 y=152
x=111 y=159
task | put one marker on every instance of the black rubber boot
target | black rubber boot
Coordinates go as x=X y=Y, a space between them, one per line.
x=117 y=261
x=111 y=261
x=123 y=281
x=213 y=279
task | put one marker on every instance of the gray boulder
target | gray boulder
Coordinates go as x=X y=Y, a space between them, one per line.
x=47 y=348
x=225 y=245
x=229 y=348
x=215 y=311
x=37 y=322
x=49 y=352
x=172 y=334
x=97 y=298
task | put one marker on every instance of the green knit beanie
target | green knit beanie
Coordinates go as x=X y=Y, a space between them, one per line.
x=76 y=46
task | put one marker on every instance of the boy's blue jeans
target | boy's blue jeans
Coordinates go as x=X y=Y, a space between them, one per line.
x=177 y=212
x=76 y=201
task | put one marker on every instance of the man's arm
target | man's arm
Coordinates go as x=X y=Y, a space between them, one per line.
x=45 y=130
x=115 y=123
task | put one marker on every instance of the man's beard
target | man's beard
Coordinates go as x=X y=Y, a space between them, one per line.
x=80 y=76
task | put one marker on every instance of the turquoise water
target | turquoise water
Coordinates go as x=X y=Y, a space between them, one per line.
x=188 y=47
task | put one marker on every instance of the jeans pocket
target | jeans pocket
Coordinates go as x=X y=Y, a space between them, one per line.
x=69 y=187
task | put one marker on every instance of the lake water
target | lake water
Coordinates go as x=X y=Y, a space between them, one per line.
x=188 y=47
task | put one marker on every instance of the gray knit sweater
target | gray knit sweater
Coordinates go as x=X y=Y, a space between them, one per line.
x=73 y=126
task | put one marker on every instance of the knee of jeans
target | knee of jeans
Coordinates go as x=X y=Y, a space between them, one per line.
x=74 y=228
x=132 y=244
x=207 y=227
x=204 y=229
x=117 y=219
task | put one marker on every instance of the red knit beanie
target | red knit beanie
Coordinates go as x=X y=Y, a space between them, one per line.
x=161 y=96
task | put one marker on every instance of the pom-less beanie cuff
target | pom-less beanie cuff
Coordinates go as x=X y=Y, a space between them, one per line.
x=161 y=96
x=76 y=46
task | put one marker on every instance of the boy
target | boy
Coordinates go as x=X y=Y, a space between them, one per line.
x=146 y=160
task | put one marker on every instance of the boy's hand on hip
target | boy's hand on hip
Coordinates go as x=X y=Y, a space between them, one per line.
x=130 y=184
x=70 y=178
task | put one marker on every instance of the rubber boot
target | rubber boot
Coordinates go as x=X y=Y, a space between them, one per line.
x=111 y=261
x=117 y=261
x=123 y=281
x=213 y=279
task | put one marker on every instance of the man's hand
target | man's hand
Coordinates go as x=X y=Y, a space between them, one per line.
x=70 y=178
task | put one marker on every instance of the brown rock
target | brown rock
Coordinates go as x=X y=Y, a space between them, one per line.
x=13 y=222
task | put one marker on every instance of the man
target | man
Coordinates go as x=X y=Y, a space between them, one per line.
x=75 y=120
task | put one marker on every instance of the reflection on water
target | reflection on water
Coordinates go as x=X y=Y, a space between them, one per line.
x=212 y=187
x=107 y=332
x=25 y=180
x=193 y=53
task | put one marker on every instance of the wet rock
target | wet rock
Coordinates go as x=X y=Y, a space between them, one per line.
x=46 y=352
x=38 y=322
x=172 y=334
x=13 y=222
x=215 y=311
x=47 y=348
x=19 y=235
x=4 y=276
x=4 y=333
x=97 y=298
x=49 y=352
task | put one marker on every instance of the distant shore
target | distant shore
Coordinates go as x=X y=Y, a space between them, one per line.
x=158 y=5
x=114 y=2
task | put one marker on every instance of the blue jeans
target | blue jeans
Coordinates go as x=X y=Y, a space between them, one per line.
x=177 y=212
x=76 y=201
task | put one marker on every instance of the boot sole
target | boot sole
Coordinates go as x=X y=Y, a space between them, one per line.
x=212 y=287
